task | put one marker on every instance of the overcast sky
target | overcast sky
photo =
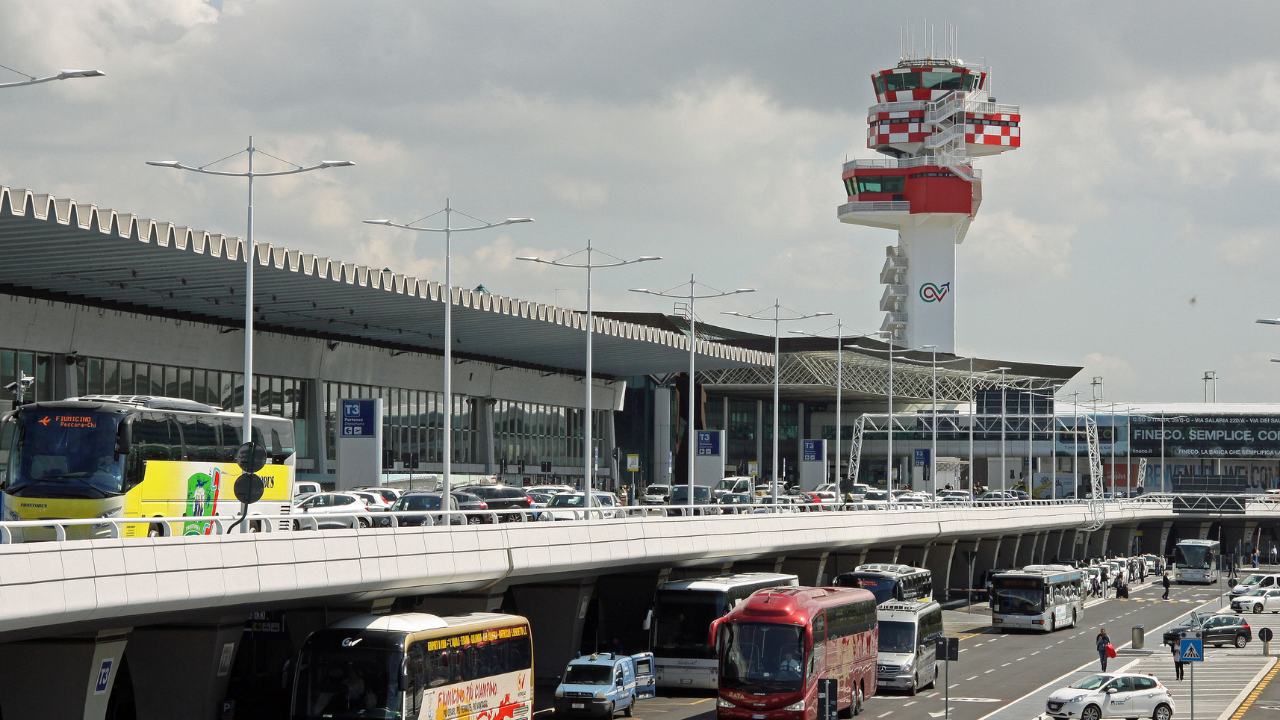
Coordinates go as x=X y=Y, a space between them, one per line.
x=1133 y=233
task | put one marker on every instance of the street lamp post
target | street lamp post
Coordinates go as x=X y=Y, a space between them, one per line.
x=588 y=459
x=839 y=388
x=1004 y=393
x=933 y=453
x=249 y=254
x=777 y=320
x=64 y=75
x=693 y=345
x=448 y=230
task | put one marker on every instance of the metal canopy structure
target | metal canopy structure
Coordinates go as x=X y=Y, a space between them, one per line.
x=807 y=368
x=58 y=249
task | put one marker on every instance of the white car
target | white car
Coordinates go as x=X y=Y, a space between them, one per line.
x=389 y=494
x=1258 y=600
x=1112 y=695
x=347 y=509
x=568 y=506
x=304 y=489
x=830 y=493
x=877 y=500
x=656 y=495
x=552 y=489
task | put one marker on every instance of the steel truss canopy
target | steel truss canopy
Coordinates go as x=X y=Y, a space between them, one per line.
x=58 y=249
x=807 y=368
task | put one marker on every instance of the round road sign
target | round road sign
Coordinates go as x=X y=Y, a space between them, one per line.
x=251 y=457
x=1265 y=634
x=248 y=488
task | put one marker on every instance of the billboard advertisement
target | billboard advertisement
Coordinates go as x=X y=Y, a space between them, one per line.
x=1225 y=436
x=1108 y=427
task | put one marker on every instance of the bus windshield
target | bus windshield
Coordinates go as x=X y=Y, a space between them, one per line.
x=1191 y=557
x=897 y=636
x=65 y=453
x=879 y=585
x=681 y=620
x=348 y=682
x=762 y=658
x=1018 y=600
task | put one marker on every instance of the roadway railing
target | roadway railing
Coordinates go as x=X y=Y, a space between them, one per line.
x=91 y=528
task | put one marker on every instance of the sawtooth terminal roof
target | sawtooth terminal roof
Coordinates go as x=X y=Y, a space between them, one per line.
x=59 y=249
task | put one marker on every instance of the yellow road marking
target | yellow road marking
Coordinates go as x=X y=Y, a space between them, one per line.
x=1248 y=701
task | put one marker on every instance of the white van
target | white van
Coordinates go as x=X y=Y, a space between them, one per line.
x=909 y=631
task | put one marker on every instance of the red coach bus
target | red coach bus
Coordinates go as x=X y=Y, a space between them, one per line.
x=774 y=648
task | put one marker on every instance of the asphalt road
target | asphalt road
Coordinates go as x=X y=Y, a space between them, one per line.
x=996 y=669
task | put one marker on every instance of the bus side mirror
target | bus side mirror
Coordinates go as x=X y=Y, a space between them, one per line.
x=713 y=631
x=124 y=439
x=648 y=620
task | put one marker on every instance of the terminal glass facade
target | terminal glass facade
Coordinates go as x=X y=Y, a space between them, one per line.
x=412 y=424
x=272 y=394
x=536 y=433
x=33 y=365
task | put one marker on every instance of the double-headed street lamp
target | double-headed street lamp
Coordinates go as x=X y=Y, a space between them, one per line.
x=777 y=319
x=692 y=296
x=249 y=254
x=889 y=449
x=64 y=75
x=448 y=230
x=587 y=453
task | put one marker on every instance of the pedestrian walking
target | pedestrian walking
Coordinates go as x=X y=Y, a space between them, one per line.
x=1165 y=582
x=1142 y=570
x=1102 y=642
x=1178 y=664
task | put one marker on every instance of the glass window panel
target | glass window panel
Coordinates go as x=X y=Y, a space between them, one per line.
x=111 y=377
x=198 y=386
x=44 y=377
x=8 y=370
x=142 y=379
x=93 y=384
x=81 y=373
x=126 y=379
x=277 y=396
x=185 y=387
x=171 y=387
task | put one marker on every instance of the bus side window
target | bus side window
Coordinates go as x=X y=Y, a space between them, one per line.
x=438 y=668
x=200 y=439
x=153 y=439
x=417 y=678
x=521 y=655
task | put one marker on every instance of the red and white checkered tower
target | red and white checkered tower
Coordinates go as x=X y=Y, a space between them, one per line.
x=934 y=116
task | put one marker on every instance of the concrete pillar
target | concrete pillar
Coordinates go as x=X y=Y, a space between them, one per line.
x=67 y=678
x=182 y=670
x=958 y=575
x=1026 y=551
x=1121 y=541
x=317 y=435
x=1159 y=549
x=913 y=555
x=486 y=450
x=810 y=570
x=1009 y=553
x=661 y=436
x=1098 y=542
x=883 y=555
x=607 y=460
x=988 y=557
x=556 y=612
x=1053 y=546
x=939 y=563
x=1204 y=530
x=843 y=561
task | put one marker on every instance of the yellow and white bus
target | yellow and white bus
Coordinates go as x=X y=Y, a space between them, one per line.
x=413 y=665
x=108 y=456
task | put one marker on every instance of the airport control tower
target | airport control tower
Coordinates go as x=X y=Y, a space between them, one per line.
x=932 y=118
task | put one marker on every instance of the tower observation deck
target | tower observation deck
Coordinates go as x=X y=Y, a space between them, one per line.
x=932 y=118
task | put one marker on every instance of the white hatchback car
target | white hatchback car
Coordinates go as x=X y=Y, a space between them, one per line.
x=1112 y=695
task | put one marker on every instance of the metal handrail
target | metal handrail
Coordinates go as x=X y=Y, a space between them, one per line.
x=363 y=520
x=874 y=206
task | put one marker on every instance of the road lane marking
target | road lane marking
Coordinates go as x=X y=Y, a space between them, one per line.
x=913 y=702
x=956 y=685
x=1020 y=659
x=1036 y=652
x=975 y=677
x=886 y=714
x=989 y=671
x=1006 y=665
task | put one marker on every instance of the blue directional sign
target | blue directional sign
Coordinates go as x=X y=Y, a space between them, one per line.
x=922 y=457
x=708 y=443
x=1191 y=650
x=358 y=418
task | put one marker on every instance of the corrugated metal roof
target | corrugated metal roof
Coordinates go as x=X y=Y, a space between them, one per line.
x=60 y=249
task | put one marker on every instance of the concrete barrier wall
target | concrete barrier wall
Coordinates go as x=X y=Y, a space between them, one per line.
x=97 y=581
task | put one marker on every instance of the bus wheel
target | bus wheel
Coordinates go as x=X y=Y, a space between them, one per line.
x=1053 y=624
x=155 y=530
x=915 y=685
x=934 y=682
x=1074 y=620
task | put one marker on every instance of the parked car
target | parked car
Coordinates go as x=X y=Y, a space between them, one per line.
x=1122 y=695
x=955 y=496
x=679 y=500
x=858 y=491
x=736 y=503
x=735 y=484
x=374 y=501
x=425 y=501
x=765 y=489
x=552 y=490
x=877 y=500
x=386 y=493
x=656 y=495
x=334 y=509
x=540 y=499
x=829 y=493
x=602 y=684
x=304 y=489
x=785 y=504
x=502 y=497
x=1218 y=630
x=1254 y=581
x=467 y=501
x=1258 y=600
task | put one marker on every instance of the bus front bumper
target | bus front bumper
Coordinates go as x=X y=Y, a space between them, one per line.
x=674 y=676
x=1020 y=623
x=896 y=681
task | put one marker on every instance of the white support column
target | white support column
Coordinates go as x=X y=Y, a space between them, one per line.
x=662 y=435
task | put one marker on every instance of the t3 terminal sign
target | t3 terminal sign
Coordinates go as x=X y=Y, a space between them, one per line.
x=359 y=418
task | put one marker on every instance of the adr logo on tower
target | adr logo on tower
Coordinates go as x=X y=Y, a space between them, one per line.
x=933 y=293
